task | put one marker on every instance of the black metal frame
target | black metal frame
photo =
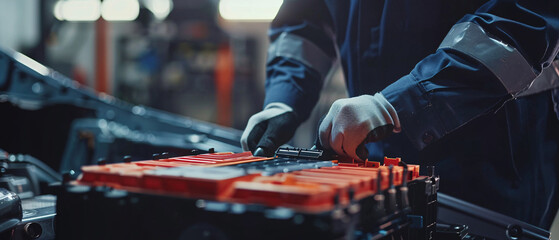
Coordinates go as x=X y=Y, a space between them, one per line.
x=52 y=117
x=484 y=222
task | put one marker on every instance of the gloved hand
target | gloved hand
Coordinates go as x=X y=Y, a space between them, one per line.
x=269 y=129
x=353 y=122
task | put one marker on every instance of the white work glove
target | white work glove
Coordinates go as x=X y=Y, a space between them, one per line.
x=269 y=129
x=353 y=122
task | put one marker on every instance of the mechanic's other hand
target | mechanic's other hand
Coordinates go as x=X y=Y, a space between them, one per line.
x=269 y=129
x=353 y=122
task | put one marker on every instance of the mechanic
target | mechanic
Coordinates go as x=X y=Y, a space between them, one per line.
x=456 y=80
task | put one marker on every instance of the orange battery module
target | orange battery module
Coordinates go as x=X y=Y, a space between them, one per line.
x=241 y=177
x=295 y=195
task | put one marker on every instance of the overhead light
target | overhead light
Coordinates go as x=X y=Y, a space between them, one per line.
x=91 y=10
x=249 y=10
x=120 y=10
x=77 y=10
x=159 y=8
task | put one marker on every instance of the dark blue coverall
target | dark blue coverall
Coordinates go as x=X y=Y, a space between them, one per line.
x=489 y=148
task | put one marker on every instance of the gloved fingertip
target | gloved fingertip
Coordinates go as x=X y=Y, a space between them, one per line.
x=259 y=152
x=362 y=152
x=264 y=152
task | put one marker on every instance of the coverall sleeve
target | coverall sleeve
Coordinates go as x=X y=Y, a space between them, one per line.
x=449 y=88
x=301 y=53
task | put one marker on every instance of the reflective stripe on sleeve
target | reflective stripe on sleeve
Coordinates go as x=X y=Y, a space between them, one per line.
x=548 y=79
x=508 y=65
x=295 y=47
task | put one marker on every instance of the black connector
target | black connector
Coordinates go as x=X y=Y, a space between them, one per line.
x=378 y=209
x=391 y=202
x=404 y=200
x=303 y=153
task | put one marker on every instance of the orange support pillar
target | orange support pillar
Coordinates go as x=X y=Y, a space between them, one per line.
x=224 y=78
x=102 y=83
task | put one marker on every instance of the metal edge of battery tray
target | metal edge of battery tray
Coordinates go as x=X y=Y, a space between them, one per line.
x=451 y=210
